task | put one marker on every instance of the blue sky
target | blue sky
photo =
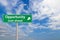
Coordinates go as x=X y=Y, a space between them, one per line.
x=45 y=23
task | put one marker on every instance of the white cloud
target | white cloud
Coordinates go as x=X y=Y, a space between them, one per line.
x=52 y=3
x=42 y=10
x=4 y=2
x=20 y=8
x=47 y=8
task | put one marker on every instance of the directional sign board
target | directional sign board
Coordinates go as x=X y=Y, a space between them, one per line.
x=17 y=18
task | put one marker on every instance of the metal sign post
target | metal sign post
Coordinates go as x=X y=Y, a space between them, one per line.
x=17 y=18
x=17 y=31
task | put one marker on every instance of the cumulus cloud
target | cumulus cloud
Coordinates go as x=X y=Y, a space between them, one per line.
x=41 y=8
x=47 y=8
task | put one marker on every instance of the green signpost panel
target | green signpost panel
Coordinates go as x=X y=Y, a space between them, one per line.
x=17 y=18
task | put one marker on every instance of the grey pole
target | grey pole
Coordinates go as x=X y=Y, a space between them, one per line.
x=16 y=31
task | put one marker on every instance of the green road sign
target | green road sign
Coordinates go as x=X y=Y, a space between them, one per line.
x=17 y=18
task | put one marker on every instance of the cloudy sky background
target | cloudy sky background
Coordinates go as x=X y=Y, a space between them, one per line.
x=45 y=19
